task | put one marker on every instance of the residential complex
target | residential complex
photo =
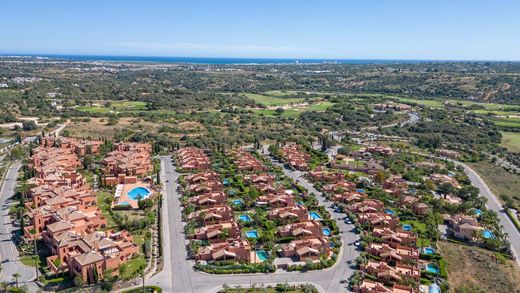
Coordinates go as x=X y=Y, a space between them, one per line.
x=62 y=210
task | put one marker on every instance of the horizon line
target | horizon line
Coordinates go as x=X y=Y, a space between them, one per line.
x=57 y=55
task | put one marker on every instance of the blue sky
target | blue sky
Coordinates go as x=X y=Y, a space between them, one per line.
x=342 y=29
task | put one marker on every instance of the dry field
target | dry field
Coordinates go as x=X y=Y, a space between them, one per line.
x=98 y=127
x=473 y=269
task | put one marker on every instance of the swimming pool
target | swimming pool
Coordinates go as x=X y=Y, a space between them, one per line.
x=360 y=190
x=137 y=192
x=407 y=227
x=326 y=231
x=225 y=182
x=487 y=234
x=478 y=212
x=432 y=268
x=252 y=234
x=123 y=203
x=245 y=218
x=428 y=250
x=315 y=216
x=237 y=202
x=390 y=212
x=262 y=255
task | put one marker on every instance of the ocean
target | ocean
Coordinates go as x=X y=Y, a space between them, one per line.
x=213 y=60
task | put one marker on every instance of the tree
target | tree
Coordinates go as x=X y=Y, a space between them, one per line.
x=28 y=125
x=381 y=176
x=5 y=286
x=78 y=281
x=16 y=276
x=446 y=188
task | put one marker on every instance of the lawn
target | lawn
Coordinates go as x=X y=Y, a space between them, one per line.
x=473 y=269
x=103 y=201
x=502 y=183
x=270 y=101
x=507 y=121
x=131 y=268
x=429 y=103
x=511 y=140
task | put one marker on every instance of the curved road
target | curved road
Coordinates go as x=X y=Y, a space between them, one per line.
x=178 y=275
x=494 y=204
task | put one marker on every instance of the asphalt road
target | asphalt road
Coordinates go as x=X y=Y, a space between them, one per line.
x=179 y=276
x=8 y=251
x=494 y=204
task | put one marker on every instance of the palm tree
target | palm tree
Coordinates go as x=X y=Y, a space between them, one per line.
x=142 y=275
x=5 y=286
x=16 y=276
x=23 y=189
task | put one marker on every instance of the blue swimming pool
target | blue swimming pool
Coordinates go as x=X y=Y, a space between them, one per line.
x=225 y=182
x=262 y=255
x=477 y=212
x=315 y=216
x=137 y=192
x=326 y=231
x=407 y=227
x=428 y=250
x=360 y=190
x=487 y=234
x=252 y=234
x=432 y=268
x=390 y=212
x=245 y=218
x=237 y=202
x=123 y=203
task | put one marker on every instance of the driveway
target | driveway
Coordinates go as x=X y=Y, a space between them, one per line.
x=8 y=251
x=179 y=276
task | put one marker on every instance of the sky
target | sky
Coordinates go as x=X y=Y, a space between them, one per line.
x=332 y=29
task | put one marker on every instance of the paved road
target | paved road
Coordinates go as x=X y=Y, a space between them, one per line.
x=8 y=250
x=179 y=276
x=494 y=204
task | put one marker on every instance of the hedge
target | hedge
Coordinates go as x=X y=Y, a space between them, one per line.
x=154 y=289
x=513 y=219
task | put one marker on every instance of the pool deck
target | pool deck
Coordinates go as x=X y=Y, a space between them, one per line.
x=124 y=194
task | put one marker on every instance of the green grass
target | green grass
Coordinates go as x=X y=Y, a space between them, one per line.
x=418 y=227
x=104 y=204
x=28 y=260
x=507 y=122
x=115 y=106
x=132 y=267
x=511 y=140
x=428 y=103
x=270 y=101
x=503 y=184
